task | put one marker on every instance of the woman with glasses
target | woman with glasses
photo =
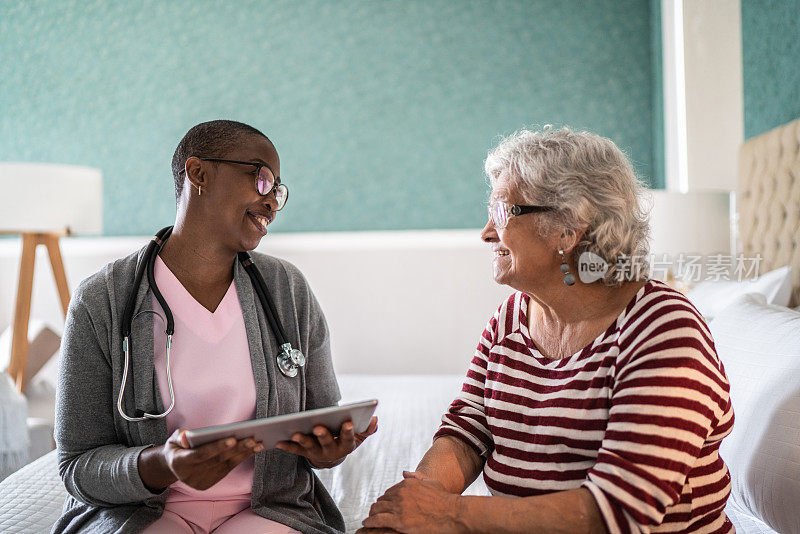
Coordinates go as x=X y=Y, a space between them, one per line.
x=123 y=455
x=595 y=401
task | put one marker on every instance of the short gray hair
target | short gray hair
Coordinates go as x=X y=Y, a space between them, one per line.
x=590 y=183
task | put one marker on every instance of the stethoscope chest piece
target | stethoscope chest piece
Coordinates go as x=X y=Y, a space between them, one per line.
x=290 y=360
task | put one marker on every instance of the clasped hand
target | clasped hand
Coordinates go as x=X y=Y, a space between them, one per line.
x=417 y=504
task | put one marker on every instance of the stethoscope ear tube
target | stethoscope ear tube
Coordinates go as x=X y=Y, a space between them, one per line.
x=149 y=254
x=151 y=279
x=127 y=314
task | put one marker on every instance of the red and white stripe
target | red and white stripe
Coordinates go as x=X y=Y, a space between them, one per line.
x=636 y=417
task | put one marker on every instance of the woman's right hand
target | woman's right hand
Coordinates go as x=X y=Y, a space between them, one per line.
x=202 y=467
x=199 y=468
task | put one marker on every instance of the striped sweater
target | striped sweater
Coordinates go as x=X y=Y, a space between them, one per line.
x=636 y=416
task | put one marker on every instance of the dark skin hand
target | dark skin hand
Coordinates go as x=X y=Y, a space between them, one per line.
x=199 y=468
x=204 y=466
x=323 y=449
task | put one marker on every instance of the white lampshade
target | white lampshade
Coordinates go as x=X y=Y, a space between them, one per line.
x=697 y=222
x=46 y=197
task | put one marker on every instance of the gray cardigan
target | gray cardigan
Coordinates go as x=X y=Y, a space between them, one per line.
x=98 y=450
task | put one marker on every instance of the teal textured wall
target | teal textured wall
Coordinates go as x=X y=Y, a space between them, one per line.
x=382 y=112
x=658 y=174
x=771 y=63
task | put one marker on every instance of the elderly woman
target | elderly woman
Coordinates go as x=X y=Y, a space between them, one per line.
x=127 y=391
x=594 y=403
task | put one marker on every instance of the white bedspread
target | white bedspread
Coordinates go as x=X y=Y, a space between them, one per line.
x=408 y=415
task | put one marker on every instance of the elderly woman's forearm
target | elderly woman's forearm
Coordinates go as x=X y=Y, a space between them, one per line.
x=452 y=462
x=570 y=512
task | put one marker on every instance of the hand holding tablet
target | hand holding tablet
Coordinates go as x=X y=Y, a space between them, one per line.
x=324 y=436
x=323 y=449
x=271 y=430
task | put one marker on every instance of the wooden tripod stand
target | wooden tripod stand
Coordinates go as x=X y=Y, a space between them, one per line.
x=19 y=343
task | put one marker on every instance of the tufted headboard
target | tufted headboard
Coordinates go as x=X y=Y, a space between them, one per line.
x=768 y=199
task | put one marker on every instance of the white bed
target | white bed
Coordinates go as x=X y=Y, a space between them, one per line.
x=409 y=412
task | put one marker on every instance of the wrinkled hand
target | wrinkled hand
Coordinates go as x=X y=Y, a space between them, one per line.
x=418 y=504
x=324 y=450
x=203 y=466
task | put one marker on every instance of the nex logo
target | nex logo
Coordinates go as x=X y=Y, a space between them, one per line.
x=591 y=267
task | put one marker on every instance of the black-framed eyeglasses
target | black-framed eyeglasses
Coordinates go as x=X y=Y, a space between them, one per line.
x=500 y=212
x=265 y=180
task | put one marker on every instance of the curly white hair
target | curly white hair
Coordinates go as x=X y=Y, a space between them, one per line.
x=590 y=183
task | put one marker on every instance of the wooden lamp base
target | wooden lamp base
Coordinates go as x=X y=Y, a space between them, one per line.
x=19 y=342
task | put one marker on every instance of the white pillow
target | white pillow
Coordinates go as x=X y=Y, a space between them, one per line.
x=759 y=346
x=711 y=297
x=14 y=439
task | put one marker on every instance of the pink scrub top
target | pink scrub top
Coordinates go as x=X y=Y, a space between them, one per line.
x=212 y=375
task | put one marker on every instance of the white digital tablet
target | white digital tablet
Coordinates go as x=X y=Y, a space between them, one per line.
x=271 y=430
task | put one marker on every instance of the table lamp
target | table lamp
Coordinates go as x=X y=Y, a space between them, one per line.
x=693 y=223
x=42 y=202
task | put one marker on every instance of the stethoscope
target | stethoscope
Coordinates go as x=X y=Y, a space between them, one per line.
x=289 y=360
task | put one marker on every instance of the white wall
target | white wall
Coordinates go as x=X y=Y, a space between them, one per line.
x=396 y=302
x=703 y=102
x=714 y=100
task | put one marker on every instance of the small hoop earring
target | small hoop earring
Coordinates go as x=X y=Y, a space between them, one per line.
x=569 y=278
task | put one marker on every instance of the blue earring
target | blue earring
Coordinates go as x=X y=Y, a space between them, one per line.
x=569 y=278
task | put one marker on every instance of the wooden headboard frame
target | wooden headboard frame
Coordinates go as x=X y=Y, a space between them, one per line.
x=768 y=200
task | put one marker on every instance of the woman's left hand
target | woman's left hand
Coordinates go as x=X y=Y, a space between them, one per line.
x=418 y=504
x=323 y=449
